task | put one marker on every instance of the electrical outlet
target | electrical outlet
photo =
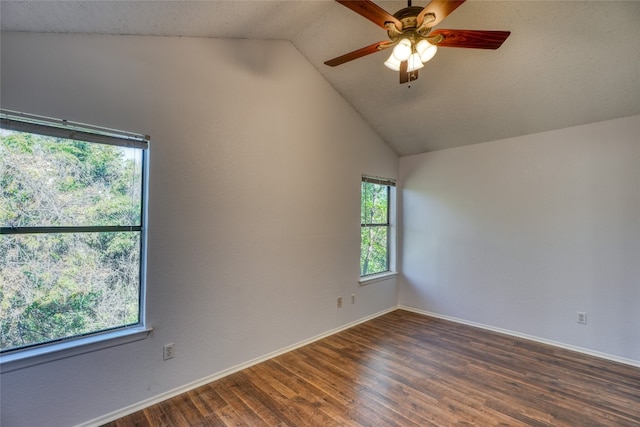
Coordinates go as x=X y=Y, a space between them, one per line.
x=168 y=351
x=582 y=317
x=339 y=302
x=353 y=298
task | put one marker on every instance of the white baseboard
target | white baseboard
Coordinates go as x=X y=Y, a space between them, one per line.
x=195 y=384
x=187 y=387
x=527 y=337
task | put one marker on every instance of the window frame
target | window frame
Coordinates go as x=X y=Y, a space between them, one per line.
x=37 y=353
x=390 y=226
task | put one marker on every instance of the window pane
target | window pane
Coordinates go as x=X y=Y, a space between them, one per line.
x=373 y=250
x=56 y=286
x=49 y=181
x=374 y=203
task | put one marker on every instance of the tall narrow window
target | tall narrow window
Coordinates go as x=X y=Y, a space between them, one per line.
x=72 y=230
x=375 y=226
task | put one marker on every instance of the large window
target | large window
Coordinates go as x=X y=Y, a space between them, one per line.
x=375 y=226
x=72 y=230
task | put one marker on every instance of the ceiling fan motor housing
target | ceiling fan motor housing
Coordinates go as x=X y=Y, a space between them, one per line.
x=410 y=29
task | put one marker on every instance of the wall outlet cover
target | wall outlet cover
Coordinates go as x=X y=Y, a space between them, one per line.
x=582 y=317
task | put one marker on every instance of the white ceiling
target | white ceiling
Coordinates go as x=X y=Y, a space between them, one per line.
x=566 y=63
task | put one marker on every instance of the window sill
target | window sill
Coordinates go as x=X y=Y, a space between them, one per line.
x=25 y=358
x=365 y=280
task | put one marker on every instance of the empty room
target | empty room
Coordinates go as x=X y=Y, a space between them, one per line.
x=181 y=184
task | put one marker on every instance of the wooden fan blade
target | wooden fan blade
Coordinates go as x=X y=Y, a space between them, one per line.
x=440 y=9
x=473 y=39
x=406 y=76
x=376 y=47
x=372 y=12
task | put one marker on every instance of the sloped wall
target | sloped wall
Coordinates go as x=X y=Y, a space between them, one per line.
x=253 y=207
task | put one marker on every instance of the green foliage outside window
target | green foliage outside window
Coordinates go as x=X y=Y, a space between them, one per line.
x=374 y=229
x=59 y=285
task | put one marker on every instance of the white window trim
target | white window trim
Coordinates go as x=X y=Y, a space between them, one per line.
x=21 y=358
x=25 y=358
x=393 y=244
x=373 y=278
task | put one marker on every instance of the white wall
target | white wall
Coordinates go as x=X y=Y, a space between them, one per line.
x=253 y=210
x=521 y=234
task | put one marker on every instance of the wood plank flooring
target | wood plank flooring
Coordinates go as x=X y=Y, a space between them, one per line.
x=405 y=369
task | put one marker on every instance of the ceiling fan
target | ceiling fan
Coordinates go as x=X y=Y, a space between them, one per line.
x=410 y=34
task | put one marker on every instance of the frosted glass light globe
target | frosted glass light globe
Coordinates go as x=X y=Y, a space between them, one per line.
x=414 y=63
x=426 y=50
x=402 y=50
x=392 y=63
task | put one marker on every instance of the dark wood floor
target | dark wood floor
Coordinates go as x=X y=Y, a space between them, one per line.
x=405 y=369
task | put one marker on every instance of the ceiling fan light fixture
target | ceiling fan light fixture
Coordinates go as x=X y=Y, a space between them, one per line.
x=402 y=50
x=414 y=62
x=426 y=50
x=411 y=36
x=392 y=63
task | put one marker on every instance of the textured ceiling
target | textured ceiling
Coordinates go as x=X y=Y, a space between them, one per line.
x=566 y=63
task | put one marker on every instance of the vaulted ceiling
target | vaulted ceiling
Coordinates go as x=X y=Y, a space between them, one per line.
x=566 y=63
